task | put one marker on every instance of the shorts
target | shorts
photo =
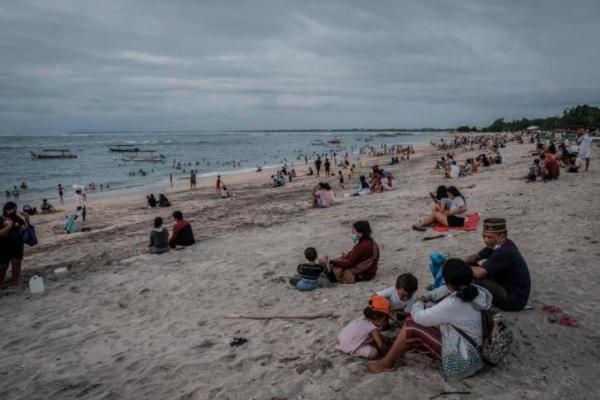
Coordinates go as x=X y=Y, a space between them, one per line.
x=12 y=251
x=454 y=221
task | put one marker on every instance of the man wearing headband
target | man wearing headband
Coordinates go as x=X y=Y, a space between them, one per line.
x=504 y=271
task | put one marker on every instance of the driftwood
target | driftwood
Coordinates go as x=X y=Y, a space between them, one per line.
x=441 y=394
x=286 y=317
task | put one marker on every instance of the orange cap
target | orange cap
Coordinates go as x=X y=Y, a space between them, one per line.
x=380 y=303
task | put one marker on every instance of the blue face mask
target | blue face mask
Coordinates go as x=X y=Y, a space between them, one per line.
x=354 y=238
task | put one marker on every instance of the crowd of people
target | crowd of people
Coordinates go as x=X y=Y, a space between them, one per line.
x=444 y=323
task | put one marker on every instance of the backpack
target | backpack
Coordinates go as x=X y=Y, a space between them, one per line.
x=497 y=337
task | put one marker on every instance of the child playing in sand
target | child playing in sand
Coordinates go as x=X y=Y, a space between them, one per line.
x=403 y=295
x=361 y=337
x=309 y=272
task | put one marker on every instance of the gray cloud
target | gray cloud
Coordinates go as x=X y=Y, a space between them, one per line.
x=92 y=65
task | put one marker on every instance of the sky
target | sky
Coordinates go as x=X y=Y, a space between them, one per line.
x=184 y=65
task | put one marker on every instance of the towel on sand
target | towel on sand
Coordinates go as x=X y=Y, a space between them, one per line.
x=471 y=224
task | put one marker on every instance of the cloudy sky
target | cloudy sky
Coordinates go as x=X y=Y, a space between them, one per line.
x=144 y=64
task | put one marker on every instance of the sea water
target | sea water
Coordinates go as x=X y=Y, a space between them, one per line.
x=208 y=152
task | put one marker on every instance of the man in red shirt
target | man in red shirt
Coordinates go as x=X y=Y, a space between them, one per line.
x=550 y=167
x=182 y=232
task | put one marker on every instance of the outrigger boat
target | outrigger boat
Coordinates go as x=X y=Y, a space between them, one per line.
x=123 y=148
x=144 y=158
x=335 y=142
x=50 y=154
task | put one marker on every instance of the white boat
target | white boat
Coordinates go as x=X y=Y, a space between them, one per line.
x=144 y=158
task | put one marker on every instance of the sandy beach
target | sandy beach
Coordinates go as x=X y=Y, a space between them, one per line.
x=124 y=324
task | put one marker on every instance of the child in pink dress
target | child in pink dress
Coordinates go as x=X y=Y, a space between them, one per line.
x=361 y=337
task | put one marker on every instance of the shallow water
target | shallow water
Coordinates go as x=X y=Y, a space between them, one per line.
x=208 y=153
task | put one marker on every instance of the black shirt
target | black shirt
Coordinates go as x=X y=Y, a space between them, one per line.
x=507 y=266
x=310 y=271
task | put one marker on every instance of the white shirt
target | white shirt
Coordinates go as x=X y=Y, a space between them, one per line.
x=79 y=200
x=454 y=171
x=397 y=304
x=584 y=147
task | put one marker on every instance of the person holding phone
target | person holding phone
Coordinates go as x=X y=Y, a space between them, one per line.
x=449 y=212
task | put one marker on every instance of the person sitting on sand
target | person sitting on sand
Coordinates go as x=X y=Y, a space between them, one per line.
x=504 y=271
x=434 y=331
x=182 y=232
x=360 y=264
x=467 y=170
x=361 y=337
x=278 y=181
x=151 y=200
x=550 y=167
x=308 y=272
x=310 y=172
x=163 y=201
x=453 y=171
x=452 y=216
x=388 y=180
x=401 y=296
x=376 y=186
x=46 y=207
x=535 y=171
x=363 y=187
x=159 y=237
x=322 y=196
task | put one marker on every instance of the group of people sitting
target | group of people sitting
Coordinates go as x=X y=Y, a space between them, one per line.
x=449 y=209
x=444 y=323
x=453 y=170
x=182 y=235
x=554 y=155
x=161 y=202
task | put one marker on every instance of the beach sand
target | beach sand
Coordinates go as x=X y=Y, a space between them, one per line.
x=123 y=324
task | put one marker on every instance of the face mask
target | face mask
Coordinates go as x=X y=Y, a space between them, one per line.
x=354 y=238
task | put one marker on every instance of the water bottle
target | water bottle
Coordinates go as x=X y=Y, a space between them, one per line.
x=36 y=284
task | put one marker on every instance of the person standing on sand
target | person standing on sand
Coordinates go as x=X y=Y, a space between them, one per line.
x=318 y=166
x=504 y=273
x=61 y=193
x=12 y=246
x=192 y=179
x=171 y=179
x=218 y=185
x=327 y=167
x=584 y=148
x=80 y=205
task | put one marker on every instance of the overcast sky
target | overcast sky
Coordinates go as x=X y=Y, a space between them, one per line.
x=125 y=64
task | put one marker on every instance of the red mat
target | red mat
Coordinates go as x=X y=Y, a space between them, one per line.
x=470 y=225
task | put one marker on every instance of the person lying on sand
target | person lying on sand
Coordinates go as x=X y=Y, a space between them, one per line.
x=402 y=296
x=322 y=196
x=452 y=214
x=360 y=264
x=159 y=237
x=361 y=337
x=182 y=232
x=309 y=272
x=433 y=330
x=504 y=272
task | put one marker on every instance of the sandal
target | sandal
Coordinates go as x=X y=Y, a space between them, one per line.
x=419 y=228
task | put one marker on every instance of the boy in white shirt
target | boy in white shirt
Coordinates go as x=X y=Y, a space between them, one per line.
x=403 y=295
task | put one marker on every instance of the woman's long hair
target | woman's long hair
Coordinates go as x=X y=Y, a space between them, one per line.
x=460 y=276
x=454 y=191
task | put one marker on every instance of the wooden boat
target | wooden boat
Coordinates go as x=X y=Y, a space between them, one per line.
x=50 y=154
x=123 y=148
x=144 y=158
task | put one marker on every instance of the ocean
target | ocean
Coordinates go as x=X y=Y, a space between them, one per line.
x=210 y=153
